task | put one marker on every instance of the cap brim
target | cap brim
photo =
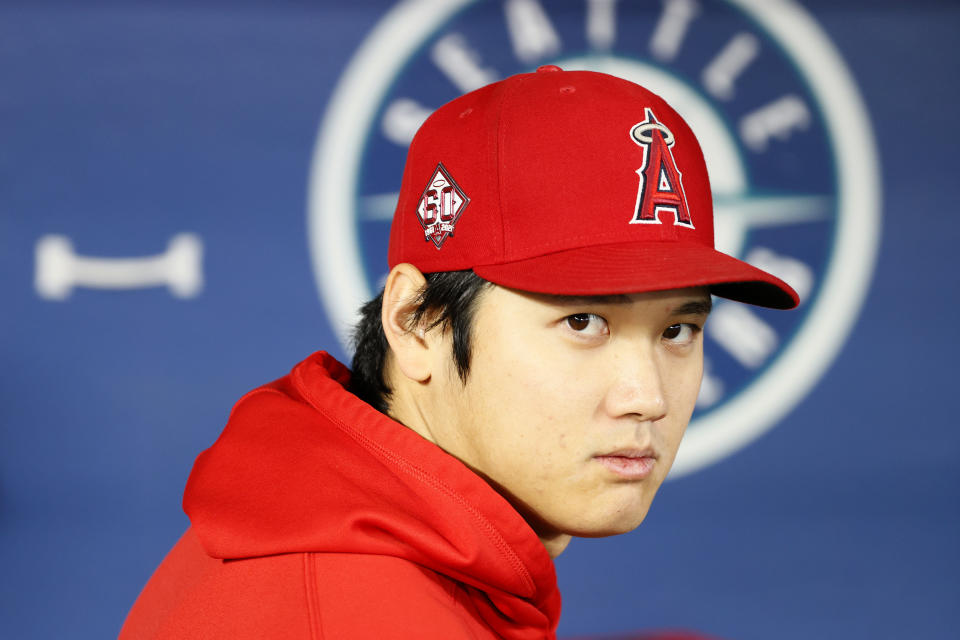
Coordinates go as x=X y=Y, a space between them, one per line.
x=640 y=267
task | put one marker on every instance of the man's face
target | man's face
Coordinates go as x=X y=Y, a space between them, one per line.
x=574 y=407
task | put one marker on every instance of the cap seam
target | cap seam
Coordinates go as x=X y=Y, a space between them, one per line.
x=510 y=87
x=496 y=152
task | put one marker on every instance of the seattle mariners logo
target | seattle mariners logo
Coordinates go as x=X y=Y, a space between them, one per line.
x=661 y=189
x=791 y=158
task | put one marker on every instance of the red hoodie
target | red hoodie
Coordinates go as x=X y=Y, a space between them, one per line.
x=316 y=516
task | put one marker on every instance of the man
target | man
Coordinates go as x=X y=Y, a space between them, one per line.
x=525 y=376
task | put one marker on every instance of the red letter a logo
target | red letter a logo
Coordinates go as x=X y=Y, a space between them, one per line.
x=661 y=189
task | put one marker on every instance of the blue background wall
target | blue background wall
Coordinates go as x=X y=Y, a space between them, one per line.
x=123 y=124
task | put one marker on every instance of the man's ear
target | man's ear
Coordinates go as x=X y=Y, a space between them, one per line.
x=410 y=347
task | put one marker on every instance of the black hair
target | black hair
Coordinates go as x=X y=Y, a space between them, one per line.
x=447 y=300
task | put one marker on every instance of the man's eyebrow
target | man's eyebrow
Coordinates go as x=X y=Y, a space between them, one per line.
x=701 y=306
x=564 y=300
x=694 y=308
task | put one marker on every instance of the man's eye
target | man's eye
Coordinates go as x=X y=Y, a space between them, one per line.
x=587 y=324
x=681 y=333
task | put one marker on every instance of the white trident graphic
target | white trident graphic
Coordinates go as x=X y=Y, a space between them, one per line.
x=59 y=269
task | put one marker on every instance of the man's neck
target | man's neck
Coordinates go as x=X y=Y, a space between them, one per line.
x=555 y=544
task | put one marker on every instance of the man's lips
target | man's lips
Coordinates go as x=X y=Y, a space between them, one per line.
x=630 y=464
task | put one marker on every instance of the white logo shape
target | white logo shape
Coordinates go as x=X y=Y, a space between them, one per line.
x=59 y=269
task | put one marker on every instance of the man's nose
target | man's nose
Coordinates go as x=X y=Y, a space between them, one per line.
x=637 y=388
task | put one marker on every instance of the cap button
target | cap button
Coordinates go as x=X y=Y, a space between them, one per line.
x=548 y=68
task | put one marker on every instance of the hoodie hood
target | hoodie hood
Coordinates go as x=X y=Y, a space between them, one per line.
x=305 y=466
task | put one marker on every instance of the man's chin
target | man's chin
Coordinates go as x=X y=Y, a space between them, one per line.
x=610 y=524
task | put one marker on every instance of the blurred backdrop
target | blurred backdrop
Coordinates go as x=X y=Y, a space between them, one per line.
x=196 y=195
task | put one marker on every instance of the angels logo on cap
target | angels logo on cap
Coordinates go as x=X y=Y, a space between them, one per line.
x=659 y=168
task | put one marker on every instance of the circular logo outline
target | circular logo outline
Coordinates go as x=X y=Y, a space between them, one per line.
x=337 y=260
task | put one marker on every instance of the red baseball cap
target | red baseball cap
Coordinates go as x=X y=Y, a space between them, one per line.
x=571 y=183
